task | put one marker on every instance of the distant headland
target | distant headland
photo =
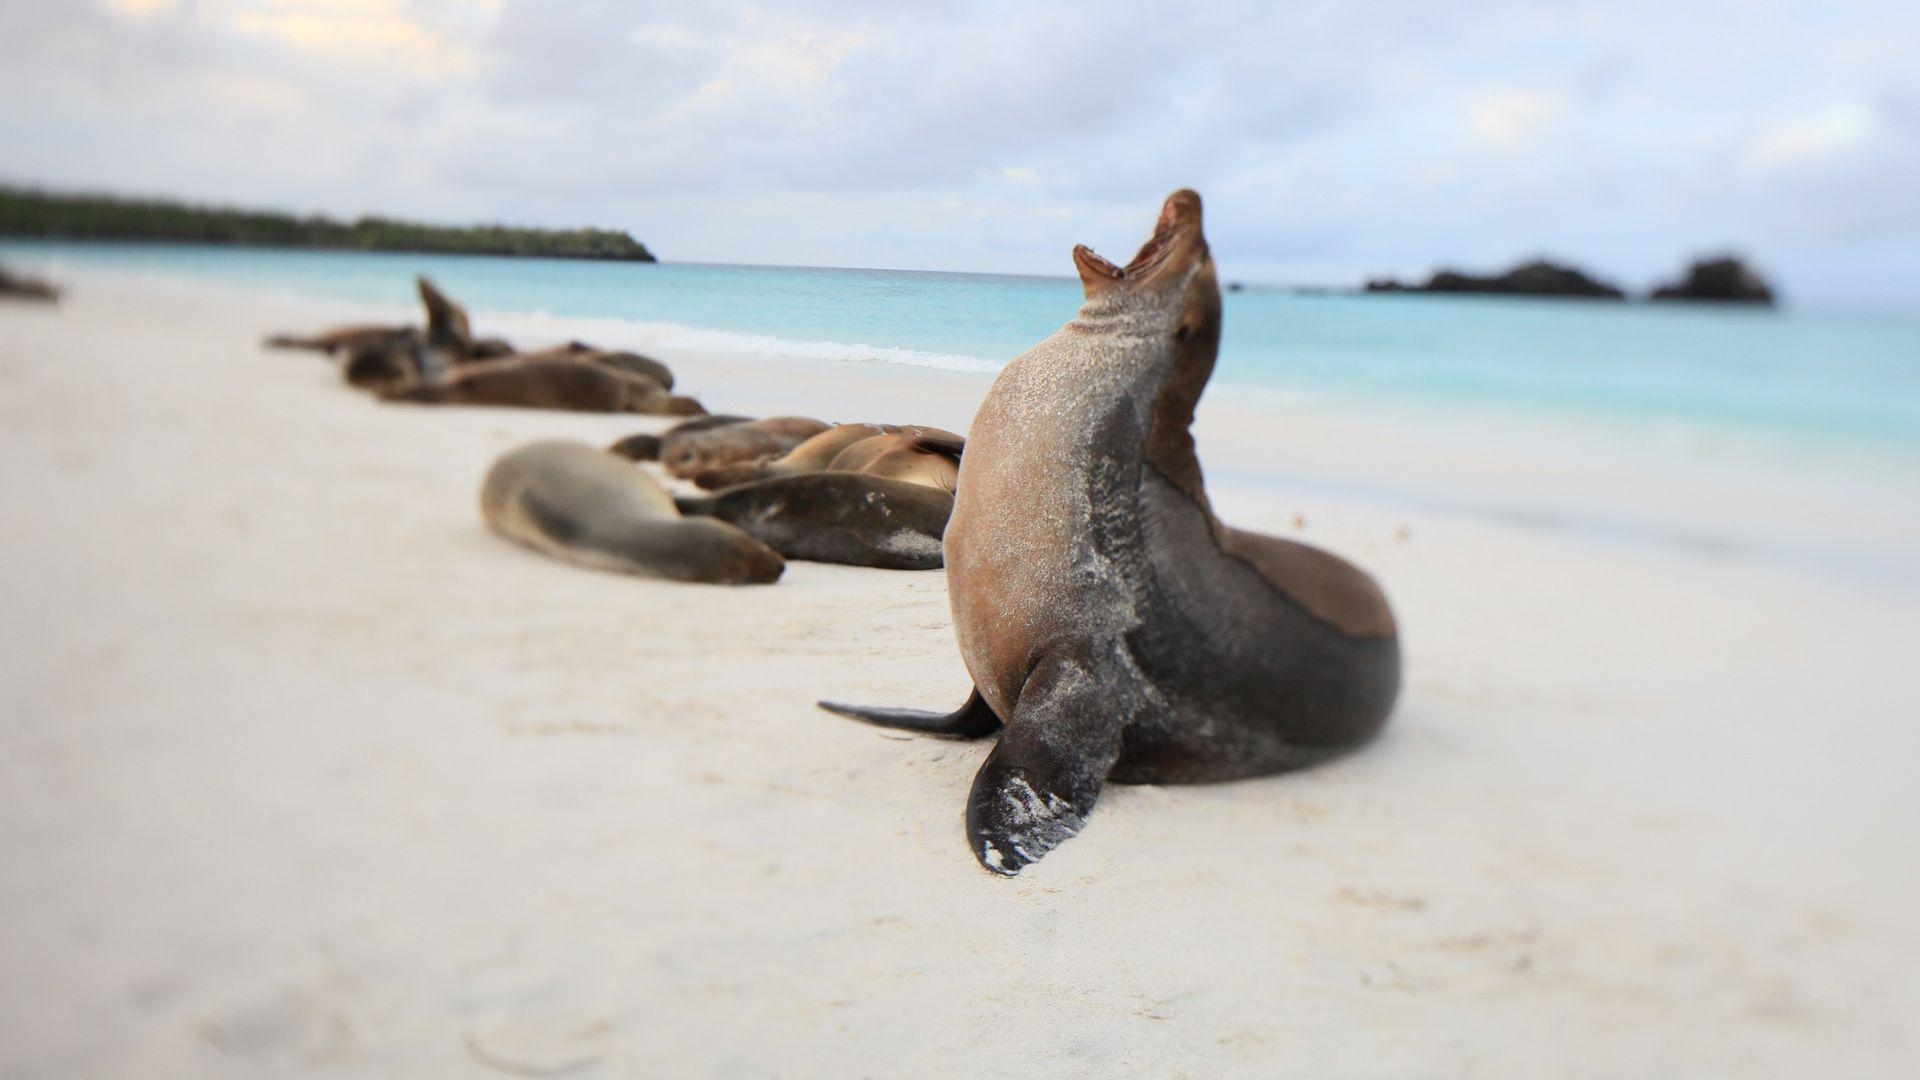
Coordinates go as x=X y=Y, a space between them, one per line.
x=1721 y=279
x=26 y=212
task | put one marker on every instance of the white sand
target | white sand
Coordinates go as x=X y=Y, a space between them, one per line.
x=302 y=770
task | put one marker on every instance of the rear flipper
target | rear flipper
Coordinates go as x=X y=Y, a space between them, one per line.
x=970 y=721
x=1039 y=784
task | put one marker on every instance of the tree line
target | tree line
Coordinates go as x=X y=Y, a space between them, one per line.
x=44 y=215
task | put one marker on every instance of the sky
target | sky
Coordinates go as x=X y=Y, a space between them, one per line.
x=1331 y=142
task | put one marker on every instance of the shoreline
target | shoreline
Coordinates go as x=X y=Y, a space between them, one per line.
x=304 y=770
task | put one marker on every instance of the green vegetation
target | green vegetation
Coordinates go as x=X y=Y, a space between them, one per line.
x=42 y=215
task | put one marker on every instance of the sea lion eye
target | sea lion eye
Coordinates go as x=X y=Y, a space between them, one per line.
x=1182 y=333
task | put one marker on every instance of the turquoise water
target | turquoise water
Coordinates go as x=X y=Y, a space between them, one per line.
x=1836 y=376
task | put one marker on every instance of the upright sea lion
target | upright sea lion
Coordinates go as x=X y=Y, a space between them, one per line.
x=547 y=384
x=587 y=507
x=838 y=517
x=449 y=333
x=1114 y=625
x=645 y=447
x=690 y=454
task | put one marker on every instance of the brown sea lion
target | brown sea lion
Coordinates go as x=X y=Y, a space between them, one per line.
x=811 y=455
x=1114 y=626
x=904 y=456
x=690 y=454
x=384 y=362
x=629 y=362
x=855 y=519
x=342 y=339
x=644 y=447
x=587 y=507
x=820 y=453
x=450 y=337
x=19 y=287
x=547 y=384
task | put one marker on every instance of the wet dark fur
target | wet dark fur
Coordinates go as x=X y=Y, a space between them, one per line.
x=847 y=518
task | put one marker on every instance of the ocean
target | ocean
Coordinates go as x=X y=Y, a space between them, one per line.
x=1845 y=380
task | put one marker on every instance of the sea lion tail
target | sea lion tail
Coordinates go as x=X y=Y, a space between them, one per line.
x=970 y=721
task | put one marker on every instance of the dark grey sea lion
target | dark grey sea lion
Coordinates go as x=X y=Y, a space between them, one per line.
x=836 y=517
x=1109 y=620
x=547 y=384
x=587 y=507
x=645 y=447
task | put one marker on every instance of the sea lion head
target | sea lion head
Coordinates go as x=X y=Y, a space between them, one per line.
x=1170 y=286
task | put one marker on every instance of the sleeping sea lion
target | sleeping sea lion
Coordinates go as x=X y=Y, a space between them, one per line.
x=381 y=363
x=1114 y=626
x=645 y=447
x=902 y=455
x=837 y=517
x=587 y=507
x=341 y=338
x=690 y=454
x=817 y=454
x=547 y=384
x=629 y=362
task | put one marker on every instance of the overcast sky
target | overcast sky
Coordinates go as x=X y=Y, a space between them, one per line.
x=1331 y=141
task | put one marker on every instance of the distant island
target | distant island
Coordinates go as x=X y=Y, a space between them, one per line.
x=1722 y=279
x=43 y=215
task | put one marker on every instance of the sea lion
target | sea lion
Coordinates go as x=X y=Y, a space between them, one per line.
x=634 y=363
x=837 y=517
x=384 y=362
x=629 y=362
x=587 y=507
x=1109 y=620
x=645 y=447
x=449 y=333
x=690 y=454
x=818 y=454
x=347 y=339
x=547 y=384
x=902 y=455
x=811 y=455
x=19 y=287
x=491 y=348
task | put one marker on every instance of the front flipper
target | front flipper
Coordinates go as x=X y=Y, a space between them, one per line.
x=1039 y=784
x=969 y=721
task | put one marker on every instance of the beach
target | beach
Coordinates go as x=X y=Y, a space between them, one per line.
x=306 y=771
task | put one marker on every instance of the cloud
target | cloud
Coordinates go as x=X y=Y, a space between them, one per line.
x=1332 y=140
x=1812 y=138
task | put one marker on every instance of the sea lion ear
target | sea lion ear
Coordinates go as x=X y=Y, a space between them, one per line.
x=1097 y=275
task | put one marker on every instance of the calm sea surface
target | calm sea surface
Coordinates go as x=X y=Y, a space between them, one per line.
x=1846 y=379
